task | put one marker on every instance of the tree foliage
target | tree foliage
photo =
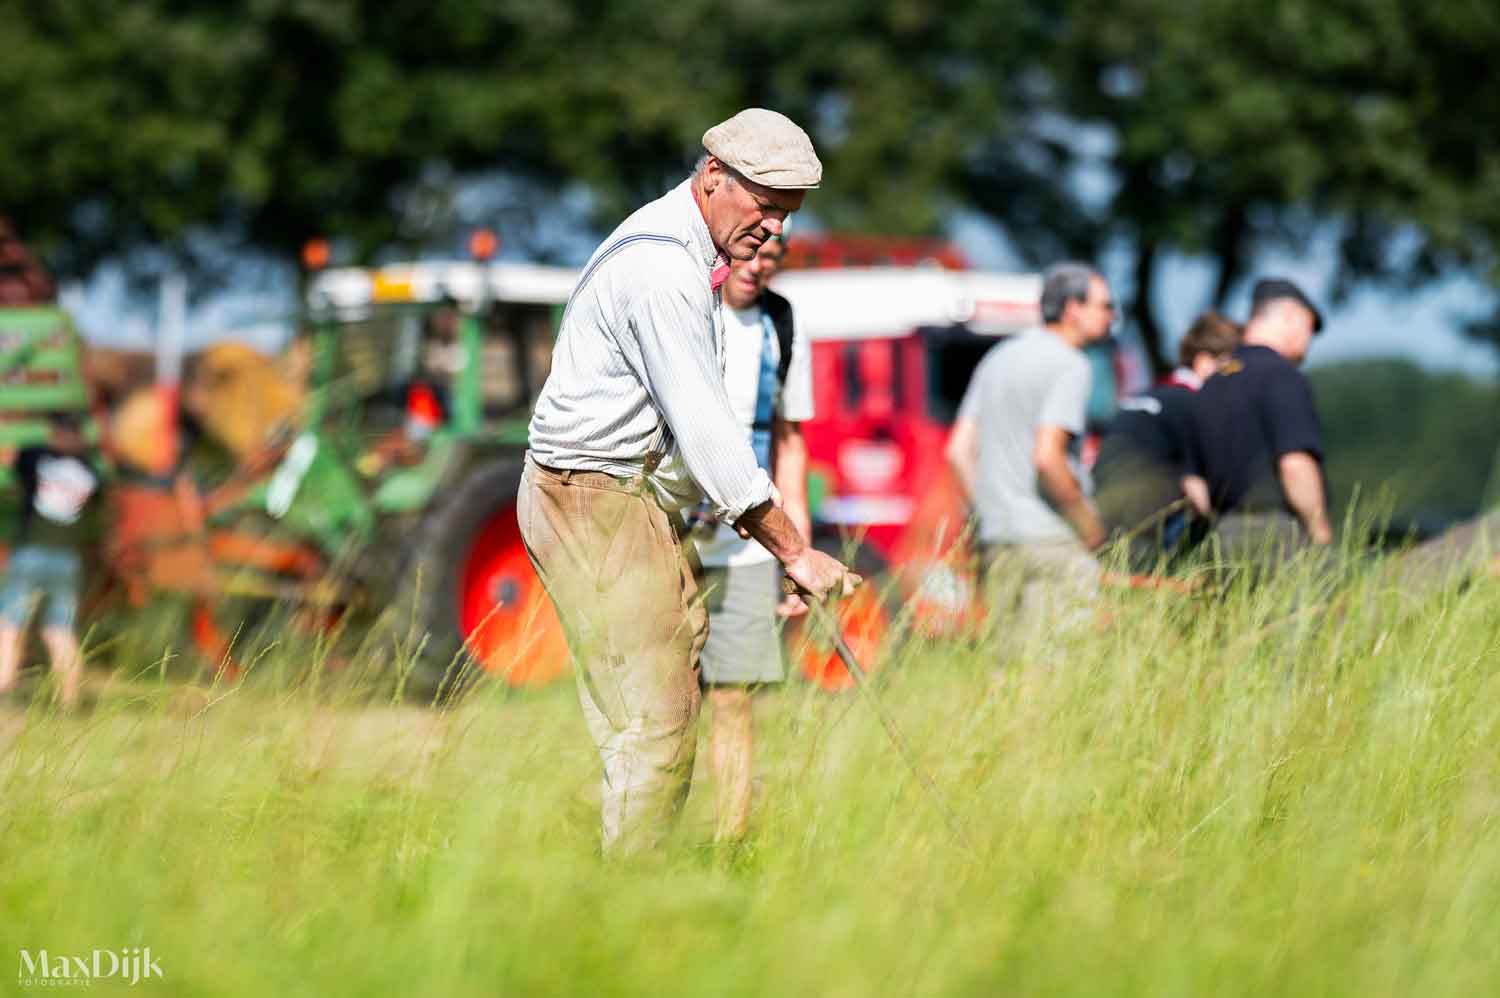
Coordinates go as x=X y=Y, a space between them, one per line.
x=1377 y=414
x=1243 y=125
x=1216 y=128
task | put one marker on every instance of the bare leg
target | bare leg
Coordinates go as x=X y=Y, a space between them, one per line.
x=10 y=656
x=730 y=744
x=67 y=663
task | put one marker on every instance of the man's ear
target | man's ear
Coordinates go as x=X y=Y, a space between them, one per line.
x=713 y=175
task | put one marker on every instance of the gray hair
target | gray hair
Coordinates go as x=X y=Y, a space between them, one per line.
x=729 y=171
x=1062 y=283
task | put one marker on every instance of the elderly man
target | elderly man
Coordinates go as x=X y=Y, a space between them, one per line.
x=633 y=424
x=1014 y=449
x=1256 y=451
x=769 y=378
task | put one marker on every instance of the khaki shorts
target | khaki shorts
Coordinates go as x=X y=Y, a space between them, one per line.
x=744 y=646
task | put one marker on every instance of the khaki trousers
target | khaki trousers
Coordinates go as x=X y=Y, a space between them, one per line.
x=626 y=593
x=1040 y=589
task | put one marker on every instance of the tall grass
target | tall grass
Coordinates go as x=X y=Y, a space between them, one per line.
x=1288 y=790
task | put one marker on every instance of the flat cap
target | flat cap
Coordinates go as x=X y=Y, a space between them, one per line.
x=1271 y=289
x=768 y=148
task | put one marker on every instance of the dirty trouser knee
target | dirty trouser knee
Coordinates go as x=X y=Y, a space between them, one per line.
x=627 y=597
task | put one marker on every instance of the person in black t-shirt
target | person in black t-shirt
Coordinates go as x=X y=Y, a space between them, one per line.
x=1143 y=457
x=57 y=482
x=1257 y=449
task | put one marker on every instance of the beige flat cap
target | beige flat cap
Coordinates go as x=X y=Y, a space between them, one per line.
x=768 y=148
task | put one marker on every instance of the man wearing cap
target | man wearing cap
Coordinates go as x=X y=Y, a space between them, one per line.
x=633 y=424
x=1256 y=448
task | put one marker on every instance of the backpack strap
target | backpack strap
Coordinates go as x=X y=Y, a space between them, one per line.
x=780 y=312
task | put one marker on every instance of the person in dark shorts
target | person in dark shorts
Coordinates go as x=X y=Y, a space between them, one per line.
x=57 y=482
x=1256 y=451
x=768 y=374
x=1143 y=457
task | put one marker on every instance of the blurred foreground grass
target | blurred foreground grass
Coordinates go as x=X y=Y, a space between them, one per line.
x=1284 y=792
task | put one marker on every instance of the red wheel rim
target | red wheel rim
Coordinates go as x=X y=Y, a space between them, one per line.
x=862 y=619
x=503 y=612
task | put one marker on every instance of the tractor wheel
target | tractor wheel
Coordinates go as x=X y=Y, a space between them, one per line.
x=471 y=588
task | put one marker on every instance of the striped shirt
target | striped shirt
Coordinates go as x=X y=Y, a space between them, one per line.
x=639 y=367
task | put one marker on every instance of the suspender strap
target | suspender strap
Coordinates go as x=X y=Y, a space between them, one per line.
x=662 y=442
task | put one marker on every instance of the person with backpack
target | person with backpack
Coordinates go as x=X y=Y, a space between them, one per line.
x=633 y=425
x=1143 y=456
x=768 y=373
x=57 y=482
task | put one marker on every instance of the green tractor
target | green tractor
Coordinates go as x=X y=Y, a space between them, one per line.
x=372 y=470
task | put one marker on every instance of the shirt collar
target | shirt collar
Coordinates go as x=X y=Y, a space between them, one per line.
x=715 y=260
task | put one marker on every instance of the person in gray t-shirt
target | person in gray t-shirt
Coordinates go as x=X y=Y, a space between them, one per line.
x=1014 y=449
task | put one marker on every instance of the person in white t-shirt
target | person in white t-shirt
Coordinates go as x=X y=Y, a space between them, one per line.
x=768 y=372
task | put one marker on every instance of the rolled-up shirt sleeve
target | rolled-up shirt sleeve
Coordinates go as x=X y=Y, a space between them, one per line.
x=673 y=327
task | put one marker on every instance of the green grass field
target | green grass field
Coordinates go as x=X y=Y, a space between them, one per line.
x=1290 y=792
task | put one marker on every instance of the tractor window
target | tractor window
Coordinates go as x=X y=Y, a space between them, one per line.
x=854 y=381
x=898 y=375
x=872 y=379
x=515 y=358
x=952 y=356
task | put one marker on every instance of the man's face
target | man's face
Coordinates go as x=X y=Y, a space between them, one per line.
x=741 y=214
x=748 y=278
x=1095 y=315
x=1297 y=325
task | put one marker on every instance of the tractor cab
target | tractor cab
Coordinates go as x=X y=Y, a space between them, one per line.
x=423 y=376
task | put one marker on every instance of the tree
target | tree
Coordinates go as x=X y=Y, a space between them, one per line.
x=1238 y=126
x=1216 y=129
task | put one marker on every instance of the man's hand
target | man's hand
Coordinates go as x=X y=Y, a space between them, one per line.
x=1195 y=487
x=821 y=575
x=813 y=571
x=1302 y=484
x=790 y=606
x=1050 y=458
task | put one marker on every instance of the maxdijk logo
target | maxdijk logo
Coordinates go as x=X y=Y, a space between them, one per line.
x=130 y=965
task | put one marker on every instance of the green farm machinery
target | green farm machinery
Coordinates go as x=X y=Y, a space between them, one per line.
x=367 y=473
